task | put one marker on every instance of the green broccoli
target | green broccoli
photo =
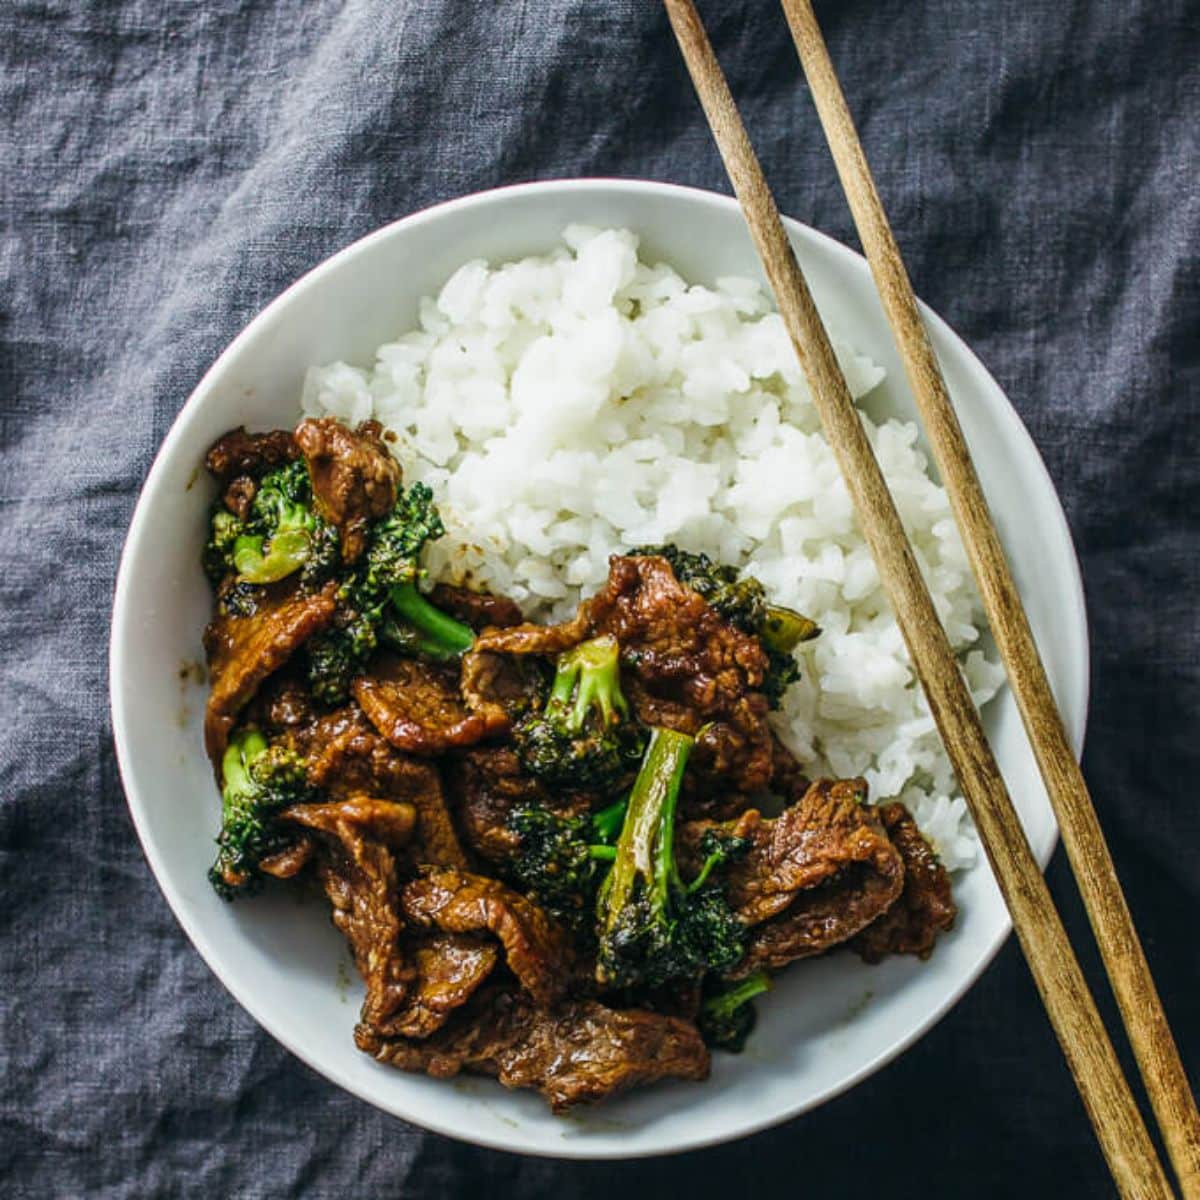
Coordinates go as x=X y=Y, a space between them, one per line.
x=412 y=625
x=584 y=738
x=336 y=656
x=782 y=630
x=324 y=557
x=782 y=671
x=258 y=781
x=558 y=856
x=397 y=539
x=239 y=599
x=719 y=849
x=606 y=828
x=421 y=630
x=378 y=602
x=281 y=534
x=727 y=1017
x=224 y=528
x=652 y=927
x=742 y=601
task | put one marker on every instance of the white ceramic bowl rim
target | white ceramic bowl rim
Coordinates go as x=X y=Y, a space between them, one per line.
x=120 y=679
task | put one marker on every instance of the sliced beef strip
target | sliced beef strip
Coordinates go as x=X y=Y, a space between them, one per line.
x=346 y=755
x=822 y=917
x=480 y=610
x=807 y=845
x=692 y=670
x=357 y=840
x=812 y=878
x=290 y=861
x=499 y=687
x=498 y=681
x=684 y=667
x=832 y=912
x=238 y=453
x=788 y=783
x=579 y=1051
x=354 y=476
x=415 y=978
x=926 y=906
x=536 y=950
x=531 y=638
x=417 y=706
x=460 y=927
x=390 y=822
x=244 y=651
x=449 y=969
x=485 y=784
x=699 y=801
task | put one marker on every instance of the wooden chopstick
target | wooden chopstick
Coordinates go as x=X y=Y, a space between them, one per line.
x=1149 y=1033
x=1072 y=1011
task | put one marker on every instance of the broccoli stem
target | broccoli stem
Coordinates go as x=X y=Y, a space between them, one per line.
x=286 y=552
x=645 y=847
x=440 y=636
x=650 y=929
x=727 y=1019
x=588 y=677
x=711 y=861
x=606 y=824
x=722 y=1007
x=562 y=689
x=783 y=629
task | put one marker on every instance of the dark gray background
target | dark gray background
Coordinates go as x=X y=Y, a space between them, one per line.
x=166 y=168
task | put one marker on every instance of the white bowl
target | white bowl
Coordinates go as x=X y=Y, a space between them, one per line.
x=829 y=1023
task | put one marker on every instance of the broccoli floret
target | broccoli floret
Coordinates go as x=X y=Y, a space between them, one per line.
x=378 y=602
x=391 y=570
x=397 y=539
x=719 y=849
x=742 y=601
x=782 y=671
x=282 y=530
x=652 y=927
x=240 y=600
x=556 y=863
x=727 y=1017
x=336 y=656
x=584 y=738
x=224 y=529
x=324 y=557
x=258 y=781
x=280 y=534
x=782 y=630
x=364 y=622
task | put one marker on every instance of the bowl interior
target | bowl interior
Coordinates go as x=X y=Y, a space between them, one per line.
x=829 y=1022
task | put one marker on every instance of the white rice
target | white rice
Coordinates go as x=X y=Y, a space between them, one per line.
x=568 y=407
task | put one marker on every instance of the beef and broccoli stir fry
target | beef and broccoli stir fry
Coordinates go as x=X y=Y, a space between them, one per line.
x=548 y=846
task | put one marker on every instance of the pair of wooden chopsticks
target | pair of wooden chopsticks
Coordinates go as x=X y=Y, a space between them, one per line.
x=1106 y=1095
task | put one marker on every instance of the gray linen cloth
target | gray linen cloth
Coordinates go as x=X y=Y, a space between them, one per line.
x=169 y=166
